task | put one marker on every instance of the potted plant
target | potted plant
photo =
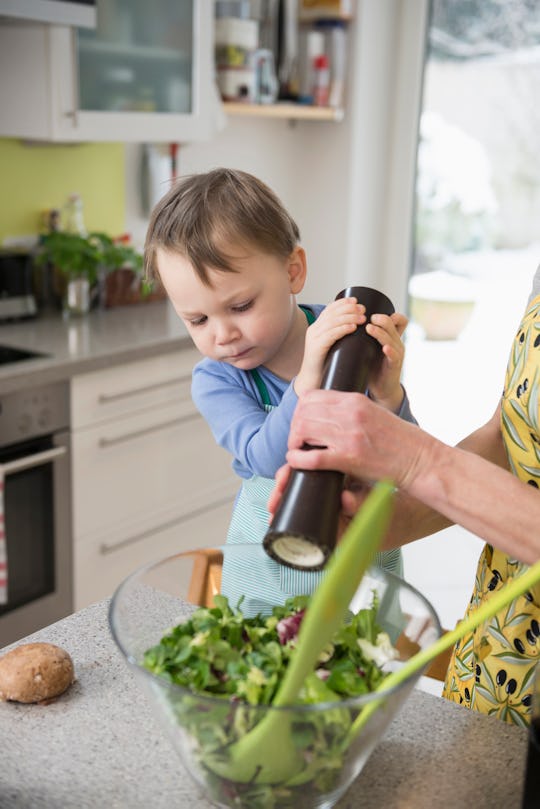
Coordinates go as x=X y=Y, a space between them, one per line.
x=74 y=261
x=123 y=278
x=80 y=263
x=116 y=257
x=116 y=253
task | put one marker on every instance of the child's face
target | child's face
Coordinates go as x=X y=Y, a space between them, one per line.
x=246 y=318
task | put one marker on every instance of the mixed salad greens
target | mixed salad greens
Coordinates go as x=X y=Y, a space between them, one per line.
x=219 y=653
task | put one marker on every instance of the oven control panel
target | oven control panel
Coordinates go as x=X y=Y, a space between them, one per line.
x=34 y=412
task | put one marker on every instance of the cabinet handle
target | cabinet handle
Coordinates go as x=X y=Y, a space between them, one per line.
x=29 y=461
x=107 y=398
x=74 y=114
x=104 y=443
x=106 y=548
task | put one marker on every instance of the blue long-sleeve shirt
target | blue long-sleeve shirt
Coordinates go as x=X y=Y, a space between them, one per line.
x=229 y=400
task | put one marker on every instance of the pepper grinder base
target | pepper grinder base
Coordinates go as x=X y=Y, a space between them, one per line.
x=296 y=551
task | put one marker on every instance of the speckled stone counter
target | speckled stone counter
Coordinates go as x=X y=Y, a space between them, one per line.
x=97 y=340
x=99 y=747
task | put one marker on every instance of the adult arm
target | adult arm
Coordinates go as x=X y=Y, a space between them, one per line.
x=438 y=485
x=414 y=519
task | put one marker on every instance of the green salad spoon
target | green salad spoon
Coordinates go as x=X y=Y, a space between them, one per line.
x=498 y=601
x=266 y=754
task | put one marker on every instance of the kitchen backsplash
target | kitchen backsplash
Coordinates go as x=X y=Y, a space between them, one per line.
x=37 y=177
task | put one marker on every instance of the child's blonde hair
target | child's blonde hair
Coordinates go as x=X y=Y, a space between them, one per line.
x=203 y=215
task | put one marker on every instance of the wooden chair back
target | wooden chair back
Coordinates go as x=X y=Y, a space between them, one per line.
x=205 y=580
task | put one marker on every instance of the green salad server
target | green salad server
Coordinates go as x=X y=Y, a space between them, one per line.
x=267 y=754
x=498 y=601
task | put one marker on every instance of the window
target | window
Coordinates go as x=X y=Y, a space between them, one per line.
x=477 y=203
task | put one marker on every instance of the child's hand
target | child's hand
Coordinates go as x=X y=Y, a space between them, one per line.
x=339 y=318
x=386 y=388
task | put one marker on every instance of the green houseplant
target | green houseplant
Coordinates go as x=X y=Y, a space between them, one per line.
x=116 y=254
x=80 y=264
x=75 y=256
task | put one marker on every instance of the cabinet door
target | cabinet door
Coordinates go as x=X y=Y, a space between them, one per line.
x=125 y=390
x=148 y=478
x=146 y=469
x=101 y=566
x=144 y=75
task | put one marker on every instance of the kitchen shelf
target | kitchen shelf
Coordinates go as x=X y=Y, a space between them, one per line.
x=136 y=52
x=302 y=112
x=319 y=16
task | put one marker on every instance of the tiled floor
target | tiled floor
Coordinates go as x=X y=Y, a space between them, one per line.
x=454 y=387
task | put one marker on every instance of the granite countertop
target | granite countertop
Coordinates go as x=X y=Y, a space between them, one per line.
x=88 y=343
x=98 y=745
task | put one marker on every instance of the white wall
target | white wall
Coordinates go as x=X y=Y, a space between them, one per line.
x=304 y=164
x=349 y=185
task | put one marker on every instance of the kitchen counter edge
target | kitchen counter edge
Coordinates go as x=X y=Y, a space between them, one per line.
x=96 y=341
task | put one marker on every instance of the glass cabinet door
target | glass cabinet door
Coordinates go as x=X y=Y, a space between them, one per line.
x=144 y=75
x=139 y=58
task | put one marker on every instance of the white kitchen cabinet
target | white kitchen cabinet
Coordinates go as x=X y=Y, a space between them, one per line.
x=144 y=75
x=100 y=567
x=147 y=476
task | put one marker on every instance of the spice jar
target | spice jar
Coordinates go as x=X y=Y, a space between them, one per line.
x=321 y=80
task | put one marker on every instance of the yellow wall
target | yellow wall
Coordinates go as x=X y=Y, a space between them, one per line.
x=35 y=178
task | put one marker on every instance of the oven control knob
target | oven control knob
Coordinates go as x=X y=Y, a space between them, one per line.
x=25 y=423
x=44 y=418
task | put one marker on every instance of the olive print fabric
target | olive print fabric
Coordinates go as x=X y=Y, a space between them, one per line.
x=492 y=668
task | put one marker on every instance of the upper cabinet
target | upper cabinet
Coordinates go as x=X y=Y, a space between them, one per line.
x=62 y=12
x=144 y=74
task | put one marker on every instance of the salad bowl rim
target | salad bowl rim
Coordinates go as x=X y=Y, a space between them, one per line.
x=358 y=701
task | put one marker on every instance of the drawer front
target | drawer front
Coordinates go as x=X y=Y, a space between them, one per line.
x=131 y=472
x=115 y=392
x=99 y=570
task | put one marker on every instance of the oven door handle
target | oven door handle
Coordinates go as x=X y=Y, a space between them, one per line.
x=29 y=461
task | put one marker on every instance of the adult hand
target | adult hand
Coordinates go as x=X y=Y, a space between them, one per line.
x=359 y=437
x=352 y=496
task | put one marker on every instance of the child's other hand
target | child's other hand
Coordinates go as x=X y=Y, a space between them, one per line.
x=339 y=318
x=386 y=388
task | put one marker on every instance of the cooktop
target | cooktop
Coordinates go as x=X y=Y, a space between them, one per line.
x=10 y=354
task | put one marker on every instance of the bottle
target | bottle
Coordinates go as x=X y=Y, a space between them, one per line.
x=311 y=46
x=321 y=80
x=334 y=33
x=303 y=532
x=73 y=216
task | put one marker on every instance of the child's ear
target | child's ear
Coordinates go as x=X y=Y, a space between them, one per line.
x=297 y=269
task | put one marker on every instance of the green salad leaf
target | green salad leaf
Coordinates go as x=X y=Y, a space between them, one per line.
x=219 y=652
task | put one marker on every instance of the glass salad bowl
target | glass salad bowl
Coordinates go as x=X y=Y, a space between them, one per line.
x=320 y=744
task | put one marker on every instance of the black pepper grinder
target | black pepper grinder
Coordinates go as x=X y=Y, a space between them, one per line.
x=303 y=533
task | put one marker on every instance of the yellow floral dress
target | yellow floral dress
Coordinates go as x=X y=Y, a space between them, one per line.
x=491 y=668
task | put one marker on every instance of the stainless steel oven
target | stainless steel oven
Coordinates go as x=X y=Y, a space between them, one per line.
x=35 y=468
